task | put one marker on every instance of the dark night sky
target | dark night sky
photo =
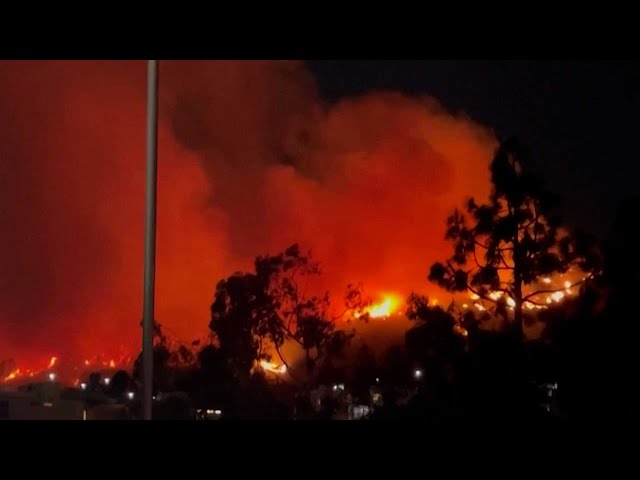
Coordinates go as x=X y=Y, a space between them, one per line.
x=581 y=118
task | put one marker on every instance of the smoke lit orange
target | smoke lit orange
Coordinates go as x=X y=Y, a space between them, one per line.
x=251 y=160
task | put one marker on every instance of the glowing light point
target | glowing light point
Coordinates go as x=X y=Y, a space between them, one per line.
x=52 y=376
x=130 y=395
x=83 y=386
x=546 y=280
x=417 y=374
x=107 y=380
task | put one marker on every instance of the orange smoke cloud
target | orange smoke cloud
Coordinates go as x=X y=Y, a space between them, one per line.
x=251 y=160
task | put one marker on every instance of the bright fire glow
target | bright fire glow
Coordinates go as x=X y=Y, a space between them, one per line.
x=271 y=367
x=388 y=306
x=12 y=375
x=460 y=330
x=66 y=371
x=496 y=295
x=381 y=310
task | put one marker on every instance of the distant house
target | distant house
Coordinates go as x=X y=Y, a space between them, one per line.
x=40 y=401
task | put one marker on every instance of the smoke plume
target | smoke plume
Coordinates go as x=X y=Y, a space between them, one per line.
x=251 y=160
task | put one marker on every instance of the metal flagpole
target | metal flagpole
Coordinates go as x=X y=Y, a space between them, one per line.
x=150 y=238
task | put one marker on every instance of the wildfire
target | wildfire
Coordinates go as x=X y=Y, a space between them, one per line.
x=52 y=362
x=64 y=371
x=381 y=310
x=271 y=367
x=388 y=306
x=12 y=375
x=552 y=290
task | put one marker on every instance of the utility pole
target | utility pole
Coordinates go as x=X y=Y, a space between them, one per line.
x=150 y=239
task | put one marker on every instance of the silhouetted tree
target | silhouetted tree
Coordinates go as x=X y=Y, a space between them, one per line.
x=162 y=378
x=592 y=339
x=213 y=381
x=396 y=367
x=513 y=241
x=94 y=381
x=119 y=384
x=365 y=372
x=433 y=341
x=436 y=344
x=254 y=311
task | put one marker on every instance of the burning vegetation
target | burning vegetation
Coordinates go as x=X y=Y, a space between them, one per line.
x=364 y=183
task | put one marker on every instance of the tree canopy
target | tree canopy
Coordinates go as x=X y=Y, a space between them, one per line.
x=504 y=249
x=253 y=313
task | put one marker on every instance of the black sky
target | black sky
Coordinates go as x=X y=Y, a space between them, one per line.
x=580 y=118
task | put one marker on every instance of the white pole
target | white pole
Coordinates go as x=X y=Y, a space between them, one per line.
x=150 y=238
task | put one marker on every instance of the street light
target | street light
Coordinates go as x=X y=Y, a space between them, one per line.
x=150 y=238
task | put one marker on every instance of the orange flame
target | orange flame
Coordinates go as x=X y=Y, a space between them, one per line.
x=388 y=306
x=52 y=362
x=271 y=367
x=12 y=375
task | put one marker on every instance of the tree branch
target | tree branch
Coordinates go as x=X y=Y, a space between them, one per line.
x=481 y=296
x=538 y=292
x=533 y=302
x=284 y=362
x=504 y=261
x=480 y=244
x=476 y=259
